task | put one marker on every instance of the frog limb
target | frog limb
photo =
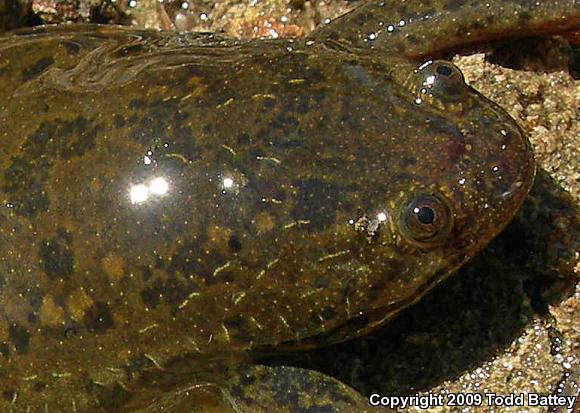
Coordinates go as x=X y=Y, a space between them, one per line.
x=261 y=389
x=423 y=28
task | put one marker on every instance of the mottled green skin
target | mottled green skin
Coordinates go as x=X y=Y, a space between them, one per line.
x=290 y=168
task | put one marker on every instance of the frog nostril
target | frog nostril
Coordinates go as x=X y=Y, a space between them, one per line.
x=444 y=70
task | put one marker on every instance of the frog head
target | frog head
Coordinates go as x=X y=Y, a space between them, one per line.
x=453 y=171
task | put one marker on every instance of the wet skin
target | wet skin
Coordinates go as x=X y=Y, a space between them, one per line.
x=180 y=202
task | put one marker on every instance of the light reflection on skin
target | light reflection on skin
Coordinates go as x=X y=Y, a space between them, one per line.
x=140 y=193
x=159 y=186
x=227 y=183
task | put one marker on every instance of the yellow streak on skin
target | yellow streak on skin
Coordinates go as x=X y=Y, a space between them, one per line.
x=152 y=326
x=263 y=96
x=60 y=375
x=178 y=156
x=226 y=333
x=284 y=321
x=226 y=103
x=299 y=222
x=269 y=158
x=330 y=256
x=189 y=297
x=155 y=363
x=238 y=297
x=268 y=266
x=229 y=149
x=253 y=320
x=220 y=269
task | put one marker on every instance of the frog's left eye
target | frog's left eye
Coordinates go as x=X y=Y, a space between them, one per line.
x=441 y=82
x=426 y=219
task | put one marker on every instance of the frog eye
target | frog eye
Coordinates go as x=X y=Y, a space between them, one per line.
x=441 y=81
x=426 y=219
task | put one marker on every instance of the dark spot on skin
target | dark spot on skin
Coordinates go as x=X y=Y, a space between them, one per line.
x=321 y=282
x=172 y=291
x=317 y=201
x=137 y=364
x=179 y=116
x=151 y=295
x=461 y=31
x=175 y=291
x=20 y=337
x=109 y=398
x=348 y=118
x=32 y=318
x=268 y=104
x=299 y=104
x=159 y=262
x=237 y=327
x=412 y=39
x=283 y=131
x=243 y=139
x=118 y=121
x=56 y=256
x=477 y=25
x=407 y=161
x=226 y=276
x=98 y=319
x=137 y=104
x=8 y=395
x=70 y=332
x=40 y=386
x=193 y=260
x=328 y=313
x=234 y=244
x=162 y=118
x=22 y=183
x=36 y=69
x=79 y=128
x=281 y=195
x=4 y=350
x=524 y=17
x=247 y=380
x=146 y=272
x=453 y=5
x=25 y=178
x=363 y=18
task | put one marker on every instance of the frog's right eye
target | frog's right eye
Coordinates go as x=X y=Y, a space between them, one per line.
x=440 y=82
x=426 y=220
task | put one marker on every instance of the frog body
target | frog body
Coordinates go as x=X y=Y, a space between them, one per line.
x=182 y=201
